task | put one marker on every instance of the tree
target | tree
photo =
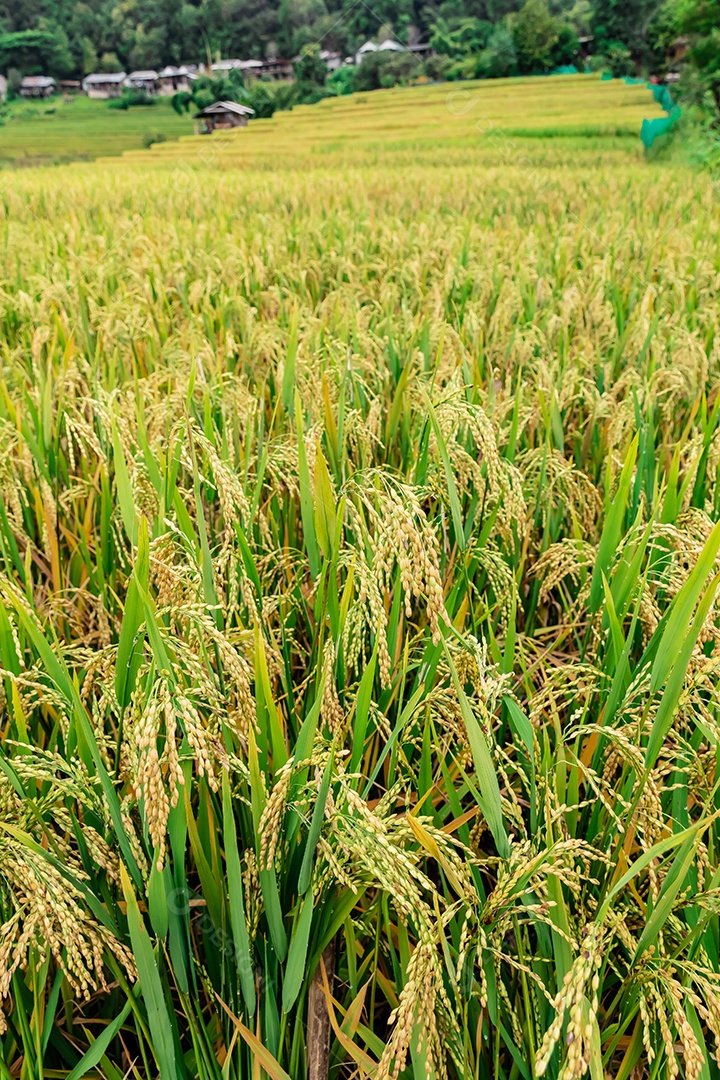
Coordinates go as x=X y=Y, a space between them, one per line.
x=310 y=71
x=147 y=46
x=699 y=20
x=567 y=47
x=460 y=38
x=26 y=50
x=303 y=22
x=110 y=63
x=623 y=22
x=90 y=61
x=499 y=59
x=662 y=34
x=59 y=60
x=579 y=17
x=535 y=33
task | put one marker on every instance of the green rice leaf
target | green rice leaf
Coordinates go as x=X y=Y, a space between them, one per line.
x=237 y=905
x=159 y=1019
x=297 y=954
x=490 y=802
x=681 y=611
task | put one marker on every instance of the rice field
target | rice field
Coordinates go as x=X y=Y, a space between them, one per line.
x=63 y=129
x=359 y=627
x=444 y=123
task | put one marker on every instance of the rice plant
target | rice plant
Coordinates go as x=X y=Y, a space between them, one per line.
x=359 y=623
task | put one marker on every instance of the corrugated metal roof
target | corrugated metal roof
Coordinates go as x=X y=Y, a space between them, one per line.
x=181 y=72
x=226 y=106
x=102 y=77
x=37 y=80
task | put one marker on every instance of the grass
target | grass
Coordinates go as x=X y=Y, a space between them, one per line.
x=359 y=626
x=77 y=128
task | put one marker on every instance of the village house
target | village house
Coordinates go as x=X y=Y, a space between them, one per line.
x=70 y=86
x=103 y=85
x=223 y=66
x=368 y=47
x=275 y=68
x=37 y=86
x=147 y=81
x=222 y=116
x=388 y=45
x=251 y=67
x=272 y=67
x=333 y=60
x=420 y=49
x=173 y=80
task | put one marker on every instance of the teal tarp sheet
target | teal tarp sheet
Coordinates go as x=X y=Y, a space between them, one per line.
x=659 y=125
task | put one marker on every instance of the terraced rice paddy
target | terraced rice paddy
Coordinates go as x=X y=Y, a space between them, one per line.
x=358 y=567
x=422 y=125
x=64 y=129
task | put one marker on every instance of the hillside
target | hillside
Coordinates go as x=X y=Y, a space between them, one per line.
x=503 y=119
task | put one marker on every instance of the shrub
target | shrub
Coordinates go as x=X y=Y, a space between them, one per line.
x=619 y=60
x=597 y=62
x=285 y=96
x=262 y=101
x=342 y=81
x=151 y=137
x=130 y=98
x=387 y=69
x=181 y=102
x=140 y=97
x=438 y=67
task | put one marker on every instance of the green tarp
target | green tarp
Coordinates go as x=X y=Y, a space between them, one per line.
x=659 y=125
x=662 y=96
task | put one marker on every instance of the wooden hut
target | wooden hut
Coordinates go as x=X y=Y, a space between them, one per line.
x=274 y=67
x=173 y=79
x=222 y=116
x=104 y=85
x=37 y=86
x=147 y=81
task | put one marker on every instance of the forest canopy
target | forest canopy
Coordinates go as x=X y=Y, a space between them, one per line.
x=74 y=37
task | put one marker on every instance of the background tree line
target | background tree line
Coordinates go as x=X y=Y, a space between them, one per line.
x=73 y=37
